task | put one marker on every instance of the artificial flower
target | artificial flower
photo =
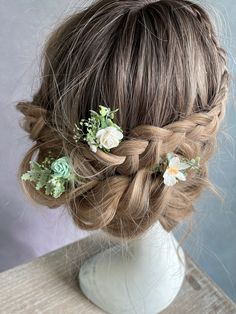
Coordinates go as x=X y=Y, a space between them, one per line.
x=61 y=167
x=173 y=172
x=176 y=168
x=54 y=175
x=109 y=137
x=99 y=131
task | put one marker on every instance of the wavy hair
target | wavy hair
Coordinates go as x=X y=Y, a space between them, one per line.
x=161 y=64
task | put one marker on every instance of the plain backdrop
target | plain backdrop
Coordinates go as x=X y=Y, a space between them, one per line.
x=27 y=231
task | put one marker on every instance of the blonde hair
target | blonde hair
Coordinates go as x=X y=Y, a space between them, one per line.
x=161 y=64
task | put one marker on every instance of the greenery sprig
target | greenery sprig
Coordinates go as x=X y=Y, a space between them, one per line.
x=99 y=130
x=54 y=175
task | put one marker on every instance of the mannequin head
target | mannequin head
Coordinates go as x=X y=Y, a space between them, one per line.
x=159 y=63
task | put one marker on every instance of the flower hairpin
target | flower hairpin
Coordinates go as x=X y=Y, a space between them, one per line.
x=99 y=131
x=52 y=174
x=175 y=168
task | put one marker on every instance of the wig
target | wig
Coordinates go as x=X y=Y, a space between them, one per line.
x=161 y=64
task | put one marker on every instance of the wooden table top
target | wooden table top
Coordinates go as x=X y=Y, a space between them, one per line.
x=48 y=285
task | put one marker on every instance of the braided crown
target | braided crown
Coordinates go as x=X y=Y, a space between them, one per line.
x=134 y=186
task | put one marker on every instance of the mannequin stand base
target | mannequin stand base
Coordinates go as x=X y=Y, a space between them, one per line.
x=143 y=277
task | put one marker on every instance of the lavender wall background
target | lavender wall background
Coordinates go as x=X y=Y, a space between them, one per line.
x=27 y=231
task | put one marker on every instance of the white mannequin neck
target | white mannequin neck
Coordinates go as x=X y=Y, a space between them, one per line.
x=142 y=276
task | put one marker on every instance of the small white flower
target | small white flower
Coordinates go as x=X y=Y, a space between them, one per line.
x=109 y=137
x=93 y=148
x=173 y=172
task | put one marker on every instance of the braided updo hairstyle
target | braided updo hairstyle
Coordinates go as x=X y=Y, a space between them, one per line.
x=159 y=63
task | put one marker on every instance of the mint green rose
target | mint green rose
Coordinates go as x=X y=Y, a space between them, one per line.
x=61 y=167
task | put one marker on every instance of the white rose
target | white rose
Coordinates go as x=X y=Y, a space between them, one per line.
x=109 y=137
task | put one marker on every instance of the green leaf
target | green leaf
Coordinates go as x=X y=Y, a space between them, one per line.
x=104 y=111
x=55 y=186
x=114 y=111
x=103 y=123
x=43 y=179
x=58 y=190
x=48 y=188
x=27 y=176
x=31 y=175
x=35 y=166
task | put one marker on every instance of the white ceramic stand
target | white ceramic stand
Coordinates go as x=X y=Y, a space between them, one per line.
x=143 y=276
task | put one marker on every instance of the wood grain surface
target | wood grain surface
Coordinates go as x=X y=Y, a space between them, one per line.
x=49 y=285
